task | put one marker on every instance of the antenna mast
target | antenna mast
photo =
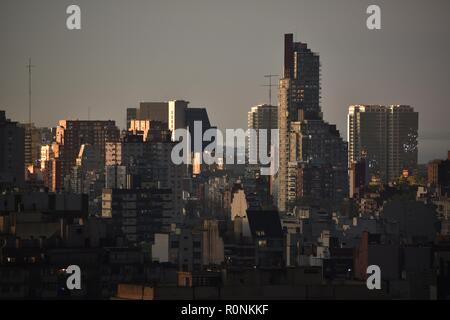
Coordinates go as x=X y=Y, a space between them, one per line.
x=29 y=67
x=270 y=85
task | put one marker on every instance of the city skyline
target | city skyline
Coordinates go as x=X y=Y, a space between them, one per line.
x=143 y=157
x=107 y=67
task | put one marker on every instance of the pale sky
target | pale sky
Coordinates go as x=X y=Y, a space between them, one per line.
x=215 y=54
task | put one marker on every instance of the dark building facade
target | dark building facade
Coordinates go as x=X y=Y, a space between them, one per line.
x=138 y=213
x=12 y=152
x=439 y=175
x=302 y=68
x=197 y=115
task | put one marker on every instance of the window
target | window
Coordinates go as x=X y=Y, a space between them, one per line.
x=260 y=233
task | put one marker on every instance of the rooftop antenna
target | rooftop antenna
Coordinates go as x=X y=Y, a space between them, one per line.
x=270 y=85
x=29 y=67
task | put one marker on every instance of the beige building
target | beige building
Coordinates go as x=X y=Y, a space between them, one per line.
x=239 y=217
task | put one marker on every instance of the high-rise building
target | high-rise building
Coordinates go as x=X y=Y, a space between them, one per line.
x=317 y=142
x=301 y=81
x=71 y=135
x=261 y=117
x=138 y=213
x=35 y=138
x=151 y=130
x=157 y=111
x=116 y=177
x=311 y=181
x=358 y=178
x=28 y=149
x=295 y=98
x=177 y=115
x=194 y=115
x=47 y=162
x=386 y=136
x=12 y=158
x=439 y=175
x=131 y=115
x=148 y=165
x=89 y=165
x=305 y=139
x=148 y=111
x=433 y=172
x=213 y=247
x=88 y=177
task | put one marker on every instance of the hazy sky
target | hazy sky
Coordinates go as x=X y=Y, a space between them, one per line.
x=215 y=54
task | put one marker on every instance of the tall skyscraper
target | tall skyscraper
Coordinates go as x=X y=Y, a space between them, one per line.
x=261 y=117
x=294 y=99
x=300 y=86
x=306 y=141
x=387 y=135
x=12 y=159
x=317 y=162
